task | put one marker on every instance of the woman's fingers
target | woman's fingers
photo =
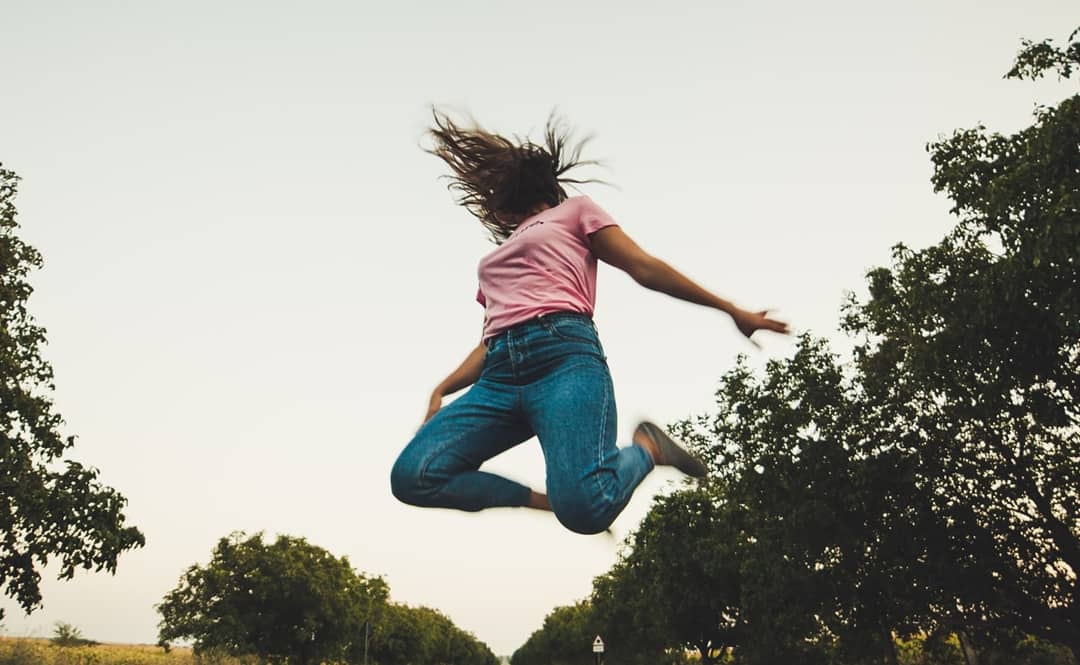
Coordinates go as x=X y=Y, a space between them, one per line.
x=751 y=322
x=772 y=324
x=434 y=404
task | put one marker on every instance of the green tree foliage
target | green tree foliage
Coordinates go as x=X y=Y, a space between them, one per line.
x=48 y=511
x=971 y=357
x=935 y=488
x=1035 y=59
x=678 y=585
x=398 y=636
x=568 y=632
x=286 y=602
x=403 y=635
x=810 y=515
x=565 y=638
x=292 y=602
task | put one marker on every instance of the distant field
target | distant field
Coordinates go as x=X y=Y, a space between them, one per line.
x=19 y=651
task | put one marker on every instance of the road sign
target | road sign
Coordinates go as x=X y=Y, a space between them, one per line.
x=598 y=645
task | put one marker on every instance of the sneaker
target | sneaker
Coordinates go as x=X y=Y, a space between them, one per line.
x=670 y=453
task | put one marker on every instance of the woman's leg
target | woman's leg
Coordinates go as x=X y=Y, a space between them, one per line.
x=589 y=479
x=439 y=467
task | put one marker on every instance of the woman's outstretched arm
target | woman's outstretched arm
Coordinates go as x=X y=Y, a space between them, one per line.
x=465 y=375
x=611 y=245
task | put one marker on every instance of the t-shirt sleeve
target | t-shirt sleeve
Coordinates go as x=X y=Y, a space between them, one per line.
x=593 y=217
x=480 y=297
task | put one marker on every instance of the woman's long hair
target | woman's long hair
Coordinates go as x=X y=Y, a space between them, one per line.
x=503 y=181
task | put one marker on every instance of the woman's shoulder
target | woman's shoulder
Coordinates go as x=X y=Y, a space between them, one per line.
x=579 y=199
x=579 y=203
x=578 y=214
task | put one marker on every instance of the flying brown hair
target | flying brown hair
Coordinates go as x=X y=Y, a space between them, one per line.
x=503 y=181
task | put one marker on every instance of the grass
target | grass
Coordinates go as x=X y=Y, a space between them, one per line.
x=25 y=651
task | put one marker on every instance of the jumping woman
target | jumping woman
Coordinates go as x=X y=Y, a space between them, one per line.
x=539 y=369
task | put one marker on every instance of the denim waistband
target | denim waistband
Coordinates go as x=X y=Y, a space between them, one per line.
x=537 y=322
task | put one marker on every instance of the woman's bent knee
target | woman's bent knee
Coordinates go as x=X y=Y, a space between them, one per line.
x=585 y=518
x=406 y=483
x=587 y=526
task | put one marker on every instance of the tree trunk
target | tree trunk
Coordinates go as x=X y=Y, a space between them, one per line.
x=890 y=647
x=706 y=653
x=971 y=657
x=1068 y=546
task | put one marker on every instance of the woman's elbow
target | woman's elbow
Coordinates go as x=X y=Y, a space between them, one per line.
x=647 y=272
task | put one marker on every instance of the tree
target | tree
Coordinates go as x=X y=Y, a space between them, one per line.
x=286 y=602
x=446 y=644
x=818 y=517
x=565 y=638
x=678 y=585
x=68 y=635
x=934 y=483
x=971 y=350
x=404 y=635
x=398 y=638
x=46 y=513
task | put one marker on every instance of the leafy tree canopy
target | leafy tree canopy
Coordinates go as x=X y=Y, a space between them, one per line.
x=404 y=635
x=971 y=360
x=286 y=601
x=565 y=638
x=51 y=508
x=677 y=586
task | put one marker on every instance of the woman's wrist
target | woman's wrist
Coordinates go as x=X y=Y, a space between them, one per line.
x=725 y=306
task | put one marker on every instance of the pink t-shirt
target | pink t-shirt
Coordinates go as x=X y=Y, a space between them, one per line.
x=545 y=266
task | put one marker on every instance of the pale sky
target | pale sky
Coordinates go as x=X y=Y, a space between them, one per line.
x=254 y=277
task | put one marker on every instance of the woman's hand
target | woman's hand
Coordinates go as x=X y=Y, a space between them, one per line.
x=434 y=404
x=465 y=375
x=749 y=323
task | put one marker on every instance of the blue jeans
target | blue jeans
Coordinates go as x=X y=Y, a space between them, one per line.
x=548 y=378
